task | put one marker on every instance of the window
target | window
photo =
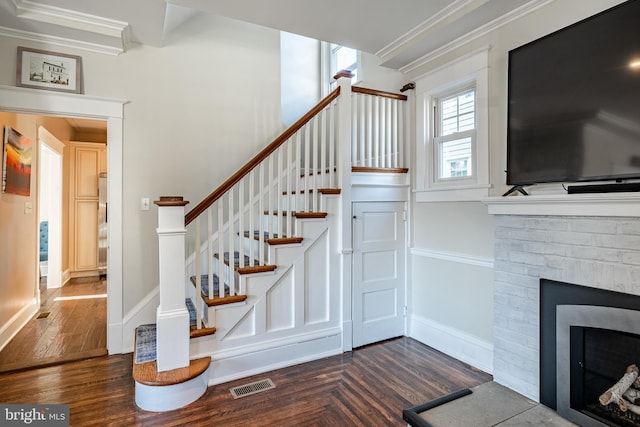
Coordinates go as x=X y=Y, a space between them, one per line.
x=337 y=58
x=455 y=133
x=344 y=58
x=452 y=129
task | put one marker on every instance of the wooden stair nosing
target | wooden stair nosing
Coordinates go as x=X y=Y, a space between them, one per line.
x=217 y=300
x=320 y=190
x=300 y=215
x=284 y=241
x=303 y=215
x=248 y=269
x=256 y=269
x=379 y=170
x=227 y=299
x=327 y=170
x=147 y=373
x=202 y=332
x=275 y=240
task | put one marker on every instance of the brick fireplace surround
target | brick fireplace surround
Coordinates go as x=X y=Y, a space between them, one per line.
x=584 y=239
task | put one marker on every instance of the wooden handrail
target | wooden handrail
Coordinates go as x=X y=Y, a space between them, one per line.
x=381 y=93
x=249 y=166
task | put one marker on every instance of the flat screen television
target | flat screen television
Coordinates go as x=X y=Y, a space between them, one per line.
x=574 y=102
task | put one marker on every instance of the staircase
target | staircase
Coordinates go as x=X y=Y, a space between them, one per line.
x=261 y=256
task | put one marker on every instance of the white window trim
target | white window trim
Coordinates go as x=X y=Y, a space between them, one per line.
x=326 y=65
x=471 y=69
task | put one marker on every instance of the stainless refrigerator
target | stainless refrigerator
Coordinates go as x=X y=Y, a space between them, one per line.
x=103 y=241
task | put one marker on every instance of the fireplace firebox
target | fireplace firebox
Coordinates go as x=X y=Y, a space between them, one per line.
x=598 y=359
x=595 y=340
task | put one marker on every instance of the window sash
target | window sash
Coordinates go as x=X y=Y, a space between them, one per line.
x=465 y=150
x=456 y=112
x=454 y=134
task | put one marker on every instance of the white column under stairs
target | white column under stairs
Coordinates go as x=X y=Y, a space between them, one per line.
x=172 y=317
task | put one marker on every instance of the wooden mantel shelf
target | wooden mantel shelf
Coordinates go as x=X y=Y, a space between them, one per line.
x=599 y=204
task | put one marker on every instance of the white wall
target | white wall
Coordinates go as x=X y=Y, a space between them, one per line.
x=300 y=76
x=197 y=109
x=452 y=262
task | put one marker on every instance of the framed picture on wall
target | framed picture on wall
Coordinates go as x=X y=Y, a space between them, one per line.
x=16 y=163
x=41 y=69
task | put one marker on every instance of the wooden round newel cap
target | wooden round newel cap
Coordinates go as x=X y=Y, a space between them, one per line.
x=171 y=201
x=343 y=73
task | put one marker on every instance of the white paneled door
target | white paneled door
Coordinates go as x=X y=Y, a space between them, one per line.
x=378 y=271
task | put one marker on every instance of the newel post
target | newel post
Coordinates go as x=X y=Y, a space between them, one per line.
x=344 y=183
x=172 y=316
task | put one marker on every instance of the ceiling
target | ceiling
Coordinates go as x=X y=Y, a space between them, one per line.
x=403 y=33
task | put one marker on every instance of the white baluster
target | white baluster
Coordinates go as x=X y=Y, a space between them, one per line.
x=261 y=211
x=290 y=197
x=332 y=144
x=241 y=220
x=312 y=192
x=271 y=218
x=307 y=166
x=369 y=137
x=396 y=131
x=232 y=237
x=297 y=176
x=210 y=252
x=221 y=275
x=279 y=178
x=198 y=275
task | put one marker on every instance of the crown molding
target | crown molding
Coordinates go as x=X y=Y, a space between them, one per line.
x=60 y=41
x=397 y=45
x=69 y=18
x=475 y=34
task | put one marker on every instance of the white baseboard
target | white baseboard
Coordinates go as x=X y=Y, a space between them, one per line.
x=17 y=322
x=453 y=342
x=142 y=313
x=226 y=369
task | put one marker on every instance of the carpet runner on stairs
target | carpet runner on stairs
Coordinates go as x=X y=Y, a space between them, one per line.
x=146 y=337
x=145 y=343
x=204 y=284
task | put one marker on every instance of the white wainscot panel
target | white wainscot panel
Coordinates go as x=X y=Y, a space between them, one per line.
x=316 y=281
x=280 y=304
x=245 y=327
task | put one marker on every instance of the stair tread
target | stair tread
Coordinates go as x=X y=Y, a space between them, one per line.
x=320 y=190
x=202 y=332
x=301 y=215
x=246 y=268
x=195 y=332
x=275 y=240
x=204 y=284
x=147 y=373
x=376 y=169
x=217 y=299
x=256 y=234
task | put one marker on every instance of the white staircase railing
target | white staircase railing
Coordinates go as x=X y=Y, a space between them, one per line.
x=227 y=233
x=378 y=129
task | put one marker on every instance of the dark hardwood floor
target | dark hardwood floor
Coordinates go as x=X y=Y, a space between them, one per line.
x=70 y=325
x=367 y=387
